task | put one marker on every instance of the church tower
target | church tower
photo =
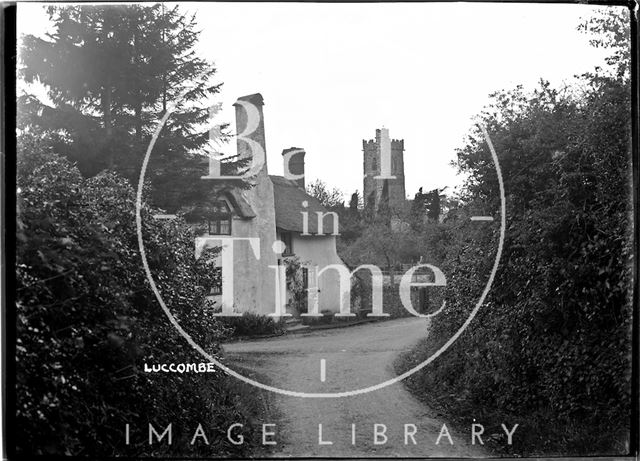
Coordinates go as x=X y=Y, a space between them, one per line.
x=375 y=152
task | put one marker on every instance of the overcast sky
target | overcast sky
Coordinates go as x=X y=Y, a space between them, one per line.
x=330 y=74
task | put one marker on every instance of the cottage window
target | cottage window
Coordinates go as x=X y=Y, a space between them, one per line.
x=219 y=221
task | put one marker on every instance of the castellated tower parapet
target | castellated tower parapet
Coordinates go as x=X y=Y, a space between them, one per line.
x=374 y=182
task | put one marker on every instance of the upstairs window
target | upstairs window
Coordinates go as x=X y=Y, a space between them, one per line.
x=219 y=221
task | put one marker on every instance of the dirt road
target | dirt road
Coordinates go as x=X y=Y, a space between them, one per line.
x=355 y=357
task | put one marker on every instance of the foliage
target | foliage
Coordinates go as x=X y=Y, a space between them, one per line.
x=351 y=223
x=253 y=324
x=383 y=245
x=87 y=320
x=330 y=198
x=552 y=339
x=426 y=205
x=392 y=305
x=105 y=119
x=355 y=202
x=295 y=284
x=610 y=29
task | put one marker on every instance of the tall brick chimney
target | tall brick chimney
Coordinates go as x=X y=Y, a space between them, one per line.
x=293 y=159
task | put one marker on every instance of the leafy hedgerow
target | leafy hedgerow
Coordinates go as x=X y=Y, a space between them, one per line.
x=550 y=348
x=87 y=321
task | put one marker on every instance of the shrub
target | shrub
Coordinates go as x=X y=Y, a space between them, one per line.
x=391 y=303
x=87 y=321
x=295 y=285
x=253 y=324
x=552 y=340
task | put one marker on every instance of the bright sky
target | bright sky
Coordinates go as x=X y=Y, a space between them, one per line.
x=330 y=74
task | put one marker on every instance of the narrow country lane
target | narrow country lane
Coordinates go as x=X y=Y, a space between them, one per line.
x=355 y=357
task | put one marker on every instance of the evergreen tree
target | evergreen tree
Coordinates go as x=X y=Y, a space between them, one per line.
x=111 y=72
x=354 y=203
x=350 y=220
x=417 y=212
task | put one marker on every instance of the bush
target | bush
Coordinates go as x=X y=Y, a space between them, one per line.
x=87 y=321
x=391 y=303
x=253 y=324
x=552 y=340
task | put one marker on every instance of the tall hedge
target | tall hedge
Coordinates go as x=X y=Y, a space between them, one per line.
x=87 y=322
x=550 y=347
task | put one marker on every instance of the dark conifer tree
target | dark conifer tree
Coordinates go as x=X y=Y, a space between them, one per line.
x=111 y=73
